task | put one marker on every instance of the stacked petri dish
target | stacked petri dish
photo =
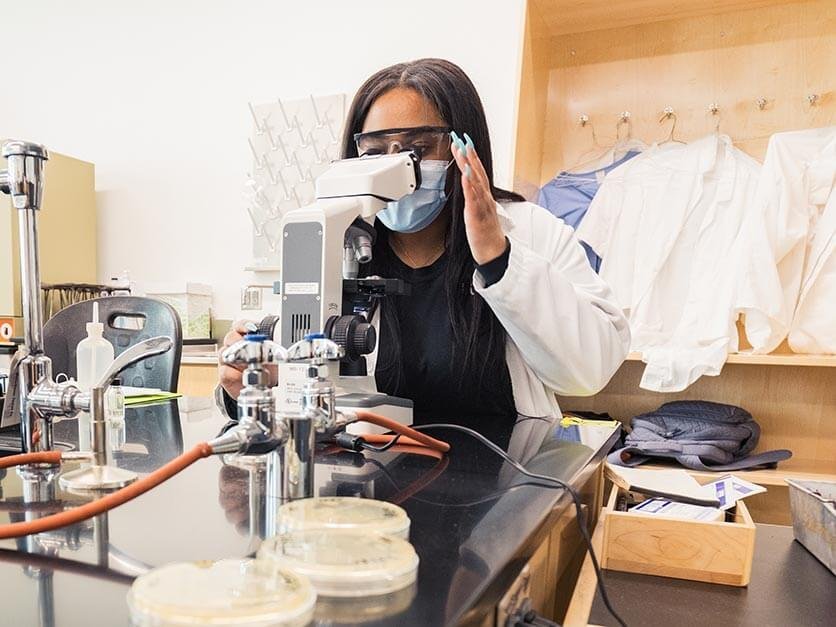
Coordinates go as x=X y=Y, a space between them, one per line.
x=342 y=513
x=224 y=593
x=335 y=559
x=344 y=562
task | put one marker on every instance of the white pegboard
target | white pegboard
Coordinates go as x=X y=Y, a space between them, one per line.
x=292 y=143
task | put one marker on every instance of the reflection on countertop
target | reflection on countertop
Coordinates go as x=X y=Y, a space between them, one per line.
x=473 y=517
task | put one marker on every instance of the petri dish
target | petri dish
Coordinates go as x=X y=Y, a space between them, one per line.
x=344 y=512
x=361 y=610
x=228 y=592
x=345 y=562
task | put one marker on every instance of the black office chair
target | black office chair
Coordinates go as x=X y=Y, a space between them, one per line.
x=127 y=320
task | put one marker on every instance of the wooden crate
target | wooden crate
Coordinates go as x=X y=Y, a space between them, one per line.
x=714 y=552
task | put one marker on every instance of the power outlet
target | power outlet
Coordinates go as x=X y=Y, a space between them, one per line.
x=251 y=298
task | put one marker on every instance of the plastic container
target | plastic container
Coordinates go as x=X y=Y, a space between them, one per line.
x=238 y=593
x=93 y=355
x=115 y=401
x=345 y=563
x=813 y=507
x=193 y=303
x=344 y=512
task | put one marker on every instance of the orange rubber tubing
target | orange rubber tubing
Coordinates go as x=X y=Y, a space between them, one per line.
x=422 y=482
x=108 y=502
x=44 y=457
x=385 y=438
x=392 y=425
x=426 y=451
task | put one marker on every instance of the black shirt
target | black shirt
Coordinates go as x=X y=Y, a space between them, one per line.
x=428 y=374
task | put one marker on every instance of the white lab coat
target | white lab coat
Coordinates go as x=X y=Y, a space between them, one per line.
x=668 y=226
x=796 y=207
x=566 y=334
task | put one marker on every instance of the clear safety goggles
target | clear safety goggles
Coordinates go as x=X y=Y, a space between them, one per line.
x=428 y=142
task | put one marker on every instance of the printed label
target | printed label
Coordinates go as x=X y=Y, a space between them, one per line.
x=300 y=288
x=292 y=379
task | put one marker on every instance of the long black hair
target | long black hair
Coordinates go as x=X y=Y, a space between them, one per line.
x=479 y=338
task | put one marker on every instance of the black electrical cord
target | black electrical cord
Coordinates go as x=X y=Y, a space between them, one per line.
x=379 y=449
x=552 y=482
x=484 y=499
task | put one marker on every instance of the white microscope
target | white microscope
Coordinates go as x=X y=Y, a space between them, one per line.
x=323 y=245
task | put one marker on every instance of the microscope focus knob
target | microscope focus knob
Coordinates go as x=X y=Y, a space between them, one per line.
x=267 y=326
x=364 y=339
x=356 y=336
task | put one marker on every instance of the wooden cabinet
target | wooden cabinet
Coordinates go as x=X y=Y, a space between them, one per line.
x=66 y=232
x=548 y=579
x=768 y=66
x=600 y=59
x=198 y=379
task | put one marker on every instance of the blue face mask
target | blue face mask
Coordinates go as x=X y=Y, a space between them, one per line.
x=417 y=210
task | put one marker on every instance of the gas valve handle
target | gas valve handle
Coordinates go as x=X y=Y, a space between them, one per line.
x=254 y=349
x=315 y=348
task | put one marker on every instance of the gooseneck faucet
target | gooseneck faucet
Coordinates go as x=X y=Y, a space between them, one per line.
x=32 y=393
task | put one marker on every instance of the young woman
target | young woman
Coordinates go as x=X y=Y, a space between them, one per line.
x=505 y=310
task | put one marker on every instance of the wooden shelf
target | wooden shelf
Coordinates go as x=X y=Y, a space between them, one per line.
x=802 y=469
x=558 y=17
x=772 y=359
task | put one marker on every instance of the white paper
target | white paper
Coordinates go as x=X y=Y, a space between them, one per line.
x=729 y=489
x=671 y=483
x=663 y=507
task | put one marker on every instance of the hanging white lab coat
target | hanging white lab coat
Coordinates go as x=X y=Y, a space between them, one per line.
x=795 y=205
x=668 y=226
x=814 y=323
x=566 y=333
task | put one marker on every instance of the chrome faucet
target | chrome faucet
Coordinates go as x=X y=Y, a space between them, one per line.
x=290 y=438
x=32 y=393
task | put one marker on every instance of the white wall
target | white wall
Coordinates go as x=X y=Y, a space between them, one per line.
x=155 y=94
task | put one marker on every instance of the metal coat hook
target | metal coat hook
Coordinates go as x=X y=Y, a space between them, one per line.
x=714 y=109
x=583 y=120
x=813 y=99
x=761 y=103
x=624 y=118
